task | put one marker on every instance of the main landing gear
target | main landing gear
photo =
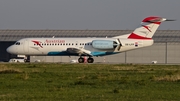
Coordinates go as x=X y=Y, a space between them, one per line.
x=82 y=60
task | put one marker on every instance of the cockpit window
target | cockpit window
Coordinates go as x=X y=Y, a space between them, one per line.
x=17 y=43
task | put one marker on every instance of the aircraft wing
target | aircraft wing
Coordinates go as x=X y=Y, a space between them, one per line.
x=79 y=51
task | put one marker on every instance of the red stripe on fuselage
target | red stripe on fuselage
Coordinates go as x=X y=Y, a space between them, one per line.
x=135 y=36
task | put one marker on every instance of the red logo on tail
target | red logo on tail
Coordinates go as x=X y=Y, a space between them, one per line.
x=147 y=27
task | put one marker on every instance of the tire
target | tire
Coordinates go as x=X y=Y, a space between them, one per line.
x=81 y=60
x=90 y=60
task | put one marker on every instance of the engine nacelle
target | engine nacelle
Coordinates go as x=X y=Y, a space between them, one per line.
x=104 y=44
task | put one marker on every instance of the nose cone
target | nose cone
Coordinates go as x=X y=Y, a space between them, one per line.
x=11 y=50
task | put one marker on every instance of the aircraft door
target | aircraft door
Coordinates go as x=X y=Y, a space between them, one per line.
x=26 y=46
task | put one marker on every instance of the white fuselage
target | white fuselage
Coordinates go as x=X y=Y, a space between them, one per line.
x=59 y=46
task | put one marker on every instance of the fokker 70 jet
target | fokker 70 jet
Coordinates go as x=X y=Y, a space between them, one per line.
x=90 y=47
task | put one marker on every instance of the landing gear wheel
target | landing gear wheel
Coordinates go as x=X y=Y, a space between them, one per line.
x=81 y=60
x=90 y=60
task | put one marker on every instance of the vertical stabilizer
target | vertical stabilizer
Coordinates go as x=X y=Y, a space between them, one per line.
x=147 y=29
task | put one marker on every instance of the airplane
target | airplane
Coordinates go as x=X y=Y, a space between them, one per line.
x=90 y=47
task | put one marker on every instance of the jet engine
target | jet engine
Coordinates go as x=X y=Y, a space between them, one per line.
x=104 y=44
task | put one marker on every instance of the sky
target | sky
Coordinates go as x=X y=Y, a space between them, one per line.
x=86 y=14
